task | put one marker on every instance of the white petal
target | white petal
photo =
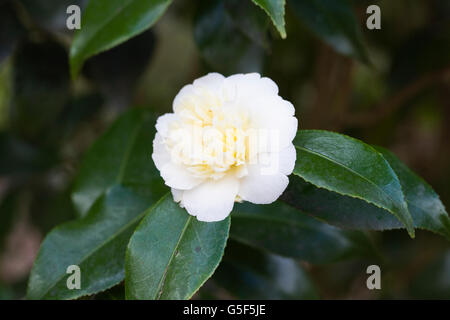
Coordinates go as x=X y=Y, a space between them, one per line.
x=160 y=154
x=260 y=188
x=177 y=195
x=251 y=85
x=282 y=129
x=283 y=161
x=212 y=81
x=178 y=177
x=244 y=80
x=207 y=89
x=212 y=200
x=268 y=85
x=183 y=98
x=287 y=158
x=163 y=123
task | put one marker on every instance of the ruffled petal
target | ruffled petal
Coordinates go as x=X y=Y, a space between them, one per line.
x=160 y=154
x=260 y=188
x=212 y=200
x=178 y=177
x=163 y=123
x=177 y=194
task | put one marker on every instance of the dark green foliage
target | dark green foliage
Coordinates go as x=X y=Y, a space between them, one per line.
x=76 y=169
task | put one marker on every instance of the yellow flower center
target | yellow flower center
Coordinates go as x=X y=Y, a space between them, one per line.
x=209 y=138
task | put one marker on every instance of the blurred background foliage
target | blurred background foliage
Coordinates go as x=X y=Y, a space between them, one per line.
x=400 y=99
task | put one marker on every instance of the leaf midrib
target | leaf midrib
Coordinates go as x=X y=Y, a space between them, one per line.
x=102 y=25
x=166 y=269
x=122 y=166
x=127 y=153
x=279 y=25
x=119 y=178
x=350 y=170
x=102 y=244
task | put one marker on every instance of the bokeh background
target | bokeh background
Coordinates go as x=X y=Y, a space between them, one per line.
x=400 y=100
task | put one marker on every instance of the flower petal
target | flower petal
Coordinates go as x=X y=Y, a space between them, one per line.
x=260 y=188
x=287 y=157
x=177 y=195
x=160 y=154
x=163 y=123
x=275 y=115
x=212 y=200
x=178 y=177
x=212 y=81
x=183 y=98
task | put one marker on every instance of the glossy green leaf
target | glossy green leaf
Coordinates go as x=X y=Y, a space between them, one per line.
x=275 y=10
x=335 y=23
x=117 y=183
x=350 y=167
x=426 y=208
x=337 y=209
x=114 y=293
x=247 y=273
x=171 y=254
x=107 y=23
x=283 y=230
x=96 y=243
x=121 y=156
x=230 y=36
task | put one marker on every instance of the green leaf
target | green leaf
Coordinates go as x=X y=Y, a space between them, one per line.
x=121 y=156
x=335 y=23
x=275 y=10
x=337 y=209
x=247 y=273
x=230 y=36
x=171 y=254
x=350 y=167
x=283 y=230
x=117 y=183
x=107 y=23
x=426 y=208
x=96 y=243
x=114 y=293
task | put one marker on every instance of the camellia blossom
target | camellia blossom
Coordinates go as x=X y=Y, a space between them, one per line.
x=228 y=139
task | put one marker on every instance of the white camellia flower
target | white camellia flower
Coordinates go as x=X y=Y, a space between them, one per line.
x=228 y=139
